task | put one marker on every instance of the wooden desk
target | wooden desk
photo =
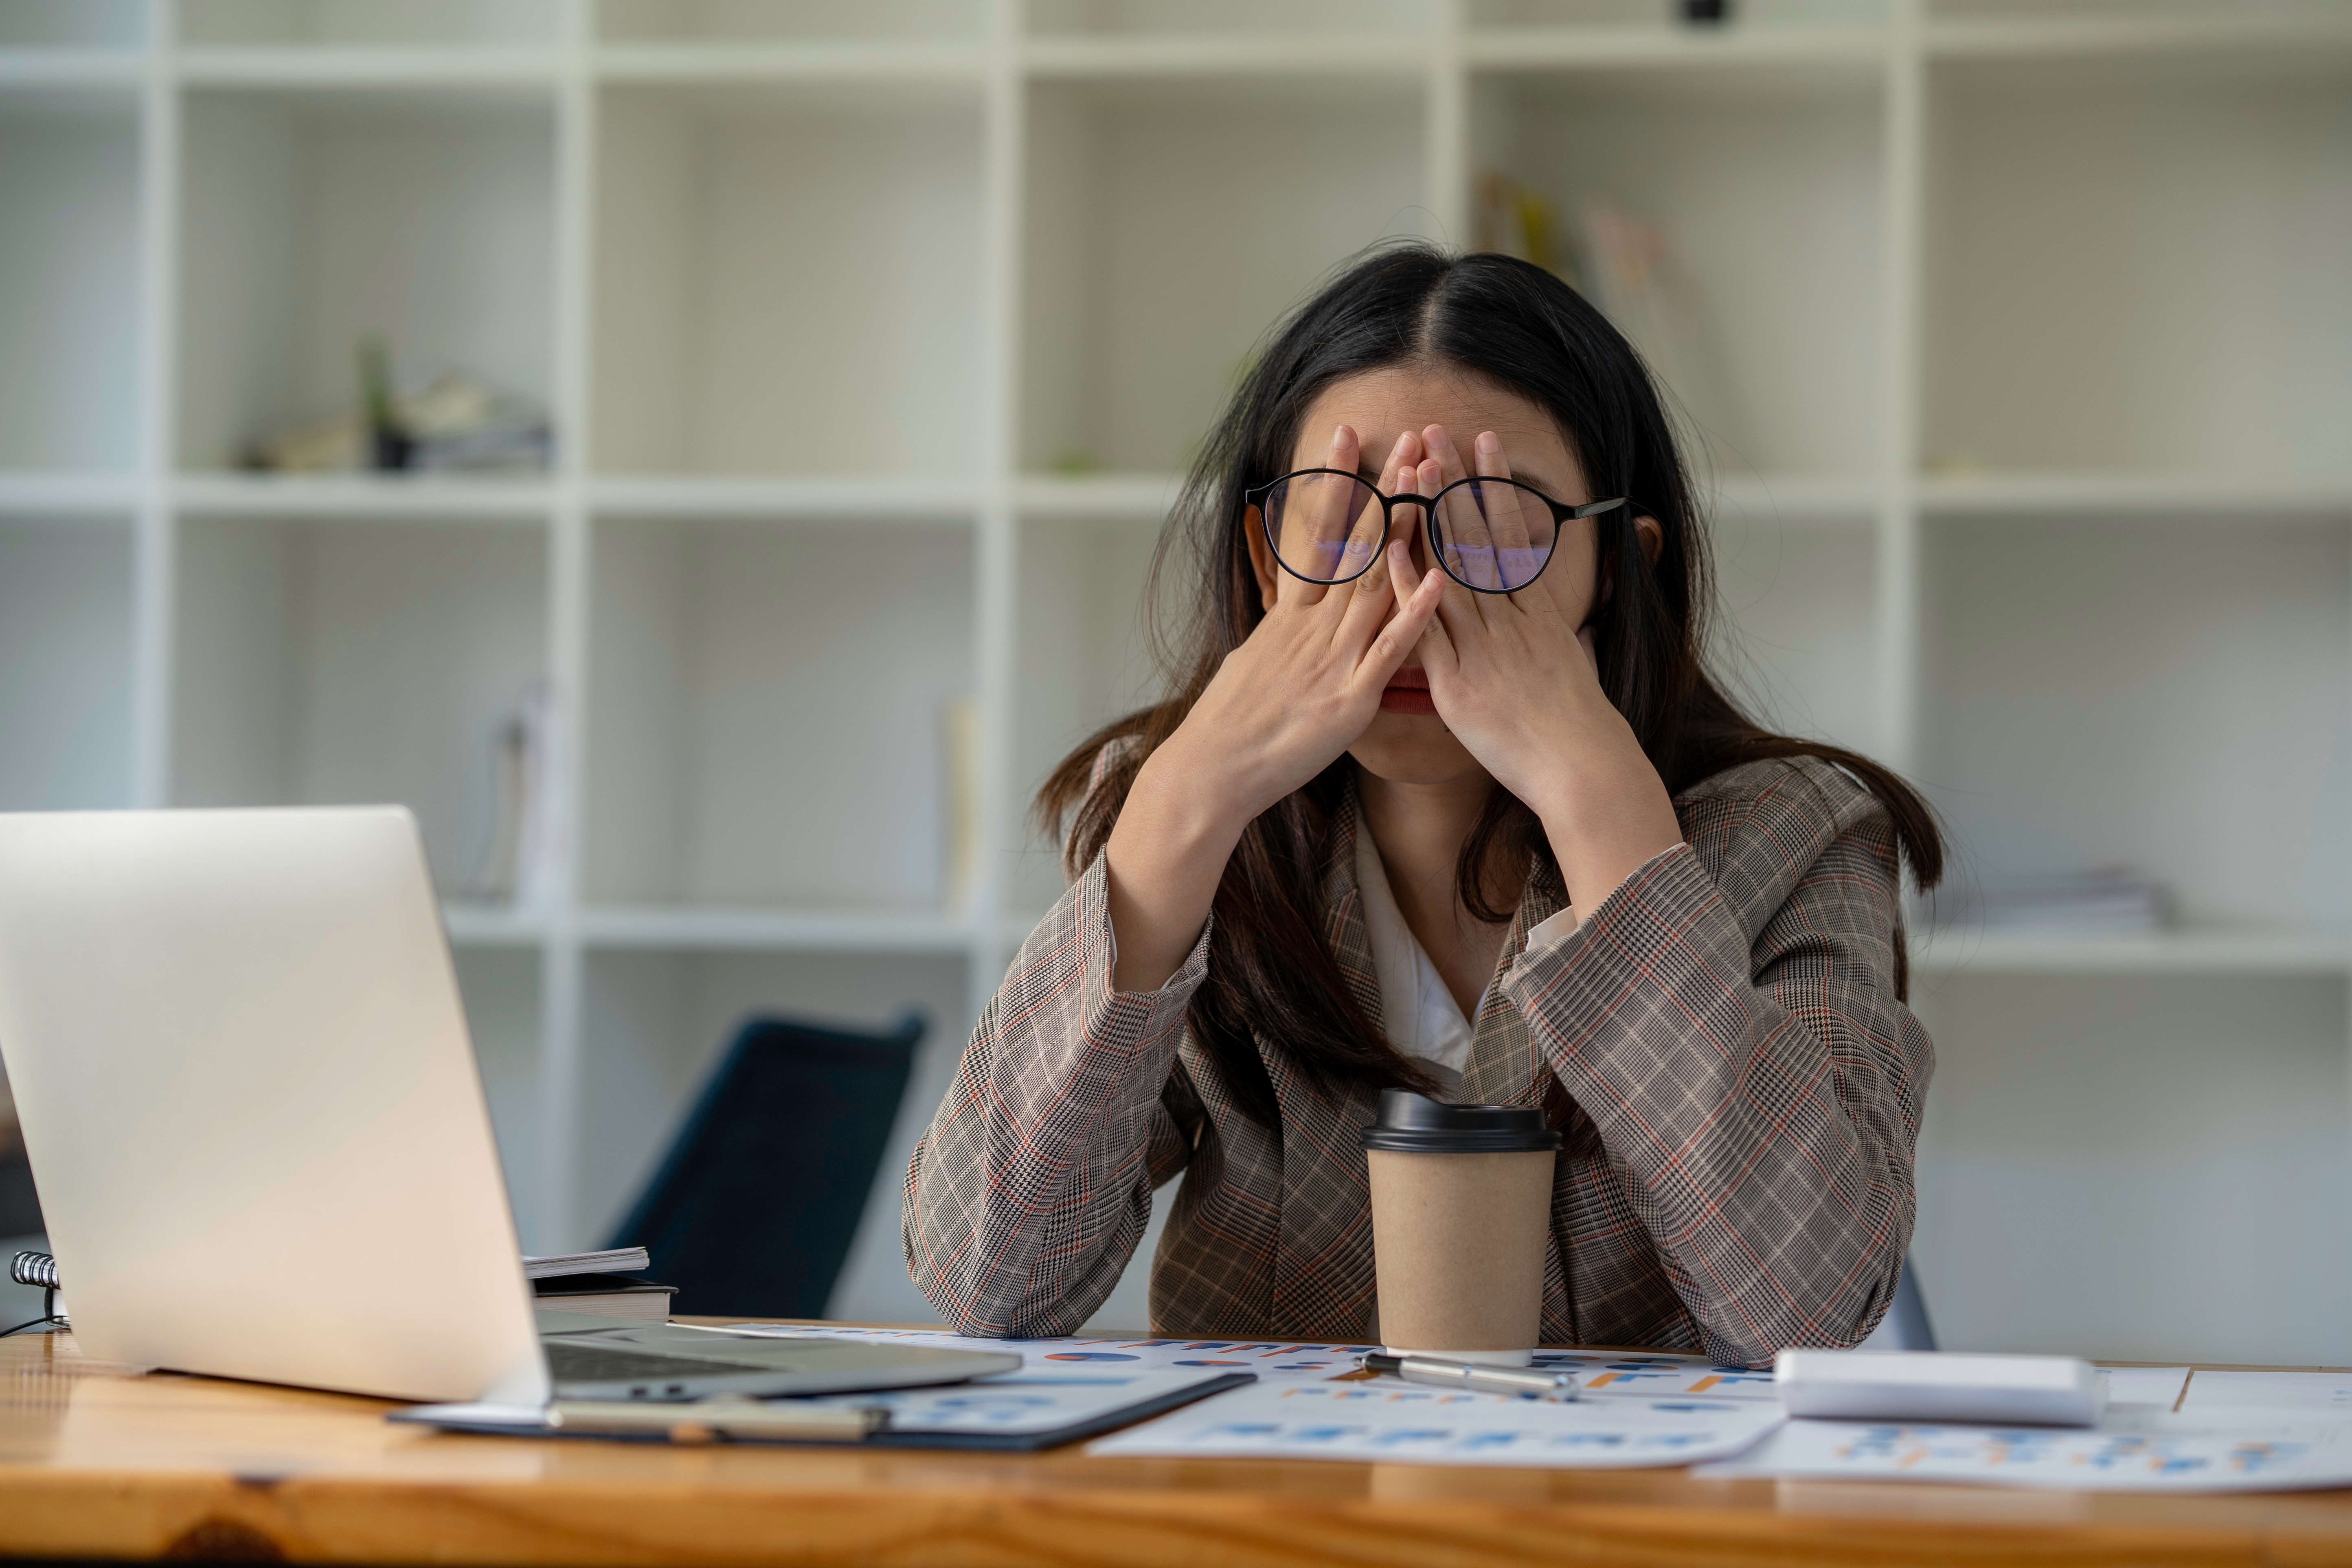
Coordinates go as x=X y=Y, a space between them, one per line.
x=96 y=1460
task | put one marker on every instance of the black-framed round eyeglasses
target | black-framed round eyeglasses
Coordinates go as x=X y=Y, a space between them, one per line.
x=1492 y=536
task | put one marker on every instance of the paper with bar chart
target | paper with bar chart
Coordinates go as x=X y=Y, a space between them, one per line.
x=1382 y=1419
x=2169 y=1453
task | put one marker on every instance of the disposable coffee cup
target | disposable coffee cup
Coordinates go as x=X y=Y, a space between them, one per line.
x=1461 y=1203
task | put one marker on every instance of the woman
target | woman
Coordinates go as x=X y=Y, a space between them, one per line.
x=1445 y=799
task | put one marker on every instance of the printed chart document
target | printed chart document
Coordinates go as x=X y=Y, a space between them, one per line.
x=1267 y=1360
x=2296 y=1394
x=2231 y=1431
x=1386 y=1419
x=1650 y=1375
x=2170 y=1454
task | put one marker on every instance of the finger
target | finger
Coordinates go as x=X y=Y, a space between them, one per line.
x=1366 y=606
x=1465 y=549
x=1410 y=626
x=1311 y=533
x=1448 y=455
x=1518 y=524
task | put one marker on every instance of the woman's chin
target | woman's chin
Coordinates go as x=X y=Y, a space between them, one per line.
x=1412 y=748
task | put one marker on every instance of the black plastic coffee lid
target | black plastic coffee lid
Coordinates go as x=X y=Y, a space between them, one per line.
x=1414 y=1123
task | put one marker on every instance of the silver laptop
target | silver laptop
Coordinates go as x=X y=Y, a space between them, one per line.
x=260 y=1135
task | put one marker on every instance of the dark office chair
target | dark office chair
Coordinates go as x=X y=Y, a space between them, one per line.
x=1908 y=1315
x=753 y=1210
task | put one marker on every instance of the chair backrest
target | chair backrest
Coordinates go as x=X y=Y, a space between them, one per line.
x=753 y=1211
x=1908 y=1315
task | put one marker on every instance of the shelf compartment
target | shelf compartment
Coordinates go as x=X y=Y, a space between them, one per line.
x=771 y=713
x=655 y=1025
x=437 y=24
x=363 y=660
x=76 y=25
x=2087 y=1135
x=1796 y=643
x=734 y=21
x=317 y=220
x=2132 y=267
x=784 y=281
x=70 y=316
x=2138 y=692
x=66 y=725
x=1082 y=660
x=501 y=989
x=1141 y=303
x=1766 y=188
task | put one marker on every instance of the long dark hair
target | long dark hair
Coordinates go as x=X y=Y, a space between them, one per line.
x=1516 y=324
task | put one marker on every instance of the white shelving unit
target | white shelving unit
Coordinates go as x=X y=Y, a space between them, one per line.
x=875 y=332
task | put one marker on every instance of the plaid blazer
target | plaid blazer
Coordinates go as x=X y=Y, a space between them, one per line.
x=1722 y=1041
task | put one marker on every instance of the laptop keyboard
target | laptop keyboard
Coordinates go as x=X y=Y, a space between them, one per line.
x=599 y=1363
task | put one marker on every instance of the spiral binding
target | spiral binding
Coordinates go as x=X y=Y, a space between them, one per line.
x=36 y=1268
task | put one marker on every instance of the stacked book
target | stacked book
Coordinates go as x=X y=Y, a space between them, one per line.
x=2094 y=903
x=601 y=1283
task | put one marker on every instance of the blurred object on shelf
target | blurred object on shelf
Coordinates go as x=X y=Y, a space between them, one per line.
x=1515 y=220
x=391 y=448
x=2106 y=902
x=455 y=423
x=960 y=750
x=512 y=866
x=1705 y=13
x=1955 y=466
x=1634 y=271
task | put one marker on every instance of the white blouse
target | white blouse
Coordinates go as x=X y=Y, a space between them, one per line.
x=1418 y=1013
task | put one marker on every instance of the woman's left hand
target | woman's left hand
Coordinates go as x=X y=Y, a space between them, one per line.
x=1513 y=675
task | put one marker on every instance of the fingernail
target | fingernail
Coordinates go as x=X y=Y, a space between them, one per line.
x=1339 y=434
x=1489 y=443
x=1435 y=435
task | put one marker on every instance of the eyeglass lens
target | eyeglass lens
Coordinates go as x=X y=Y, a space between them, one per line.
x=1491 y=534
x=1326 y=528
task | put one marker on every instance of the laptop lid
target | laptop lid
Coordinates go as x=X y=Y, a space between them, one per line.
x=251 y=1102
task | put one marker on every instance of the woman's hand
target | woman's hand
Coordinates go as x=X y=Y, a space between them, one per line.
x=1292 y=698
x=1513 y=675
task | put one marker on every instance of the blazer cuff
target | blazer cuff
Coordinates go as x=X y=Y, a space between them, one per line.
x=1136 y=1016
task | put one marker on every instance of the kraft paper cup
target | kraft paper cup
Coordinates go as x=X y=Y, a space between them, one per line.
x=1461 y=1208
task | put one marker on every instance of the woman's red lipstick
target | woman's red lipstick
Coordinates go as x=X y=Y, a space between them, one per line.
x=1408 y=692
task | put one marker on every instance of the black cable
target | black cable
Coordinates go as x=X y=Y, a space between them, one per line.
x=33 y=1323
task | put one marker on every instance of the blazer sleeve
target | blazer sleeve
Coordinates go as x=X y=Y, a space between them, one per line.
x=1026 y=1197
x=1738 y=1040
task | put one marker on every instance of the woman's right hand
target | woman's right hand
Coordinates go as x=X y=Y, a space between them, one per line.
x=1296 y=693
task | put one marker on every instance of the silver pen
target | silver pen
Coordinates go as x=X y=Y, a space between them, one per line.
x=1478 y=1379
